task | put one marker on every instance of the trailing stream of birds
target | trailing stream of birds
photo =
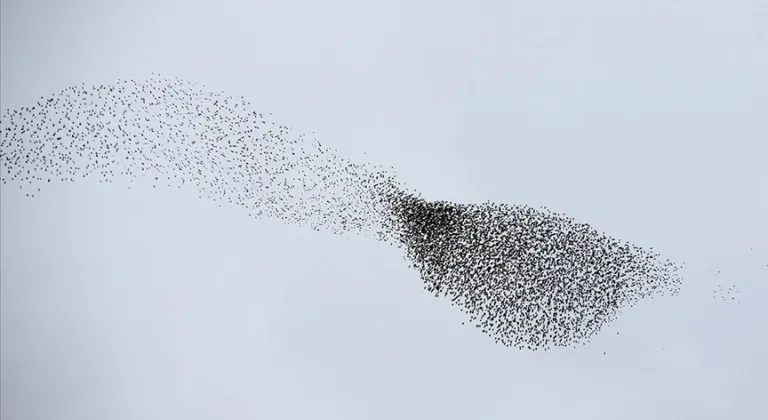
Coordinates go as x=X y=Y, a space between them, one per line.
x=527 y=277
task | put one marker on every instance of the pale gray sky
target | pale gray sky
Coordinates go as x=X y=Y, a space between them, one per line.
x=646 y=119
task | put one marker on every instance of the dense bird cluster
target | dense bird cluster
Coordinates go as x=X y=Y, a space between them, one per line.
x=529 y=278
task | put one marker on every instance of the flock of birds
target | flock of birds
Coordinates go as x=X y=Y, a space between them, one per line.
x=528 y=278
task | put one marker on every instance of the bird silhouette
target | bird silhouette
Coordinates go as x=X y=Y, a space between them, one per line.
x=527 y=277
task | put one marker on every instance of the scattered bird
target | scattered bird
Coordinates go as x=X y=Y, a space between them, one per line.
x=727 y=293
x=528 y=278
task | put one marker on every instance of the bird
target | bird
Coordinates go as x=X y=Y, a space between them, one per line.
x=528 y=278
x=727 y=294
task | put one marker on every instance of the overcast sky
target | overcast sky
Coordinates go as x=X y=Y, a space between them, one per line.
x=646 y=119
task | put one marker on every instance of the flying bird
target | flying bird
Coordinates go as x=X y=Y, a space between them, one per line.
x=527 y=277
